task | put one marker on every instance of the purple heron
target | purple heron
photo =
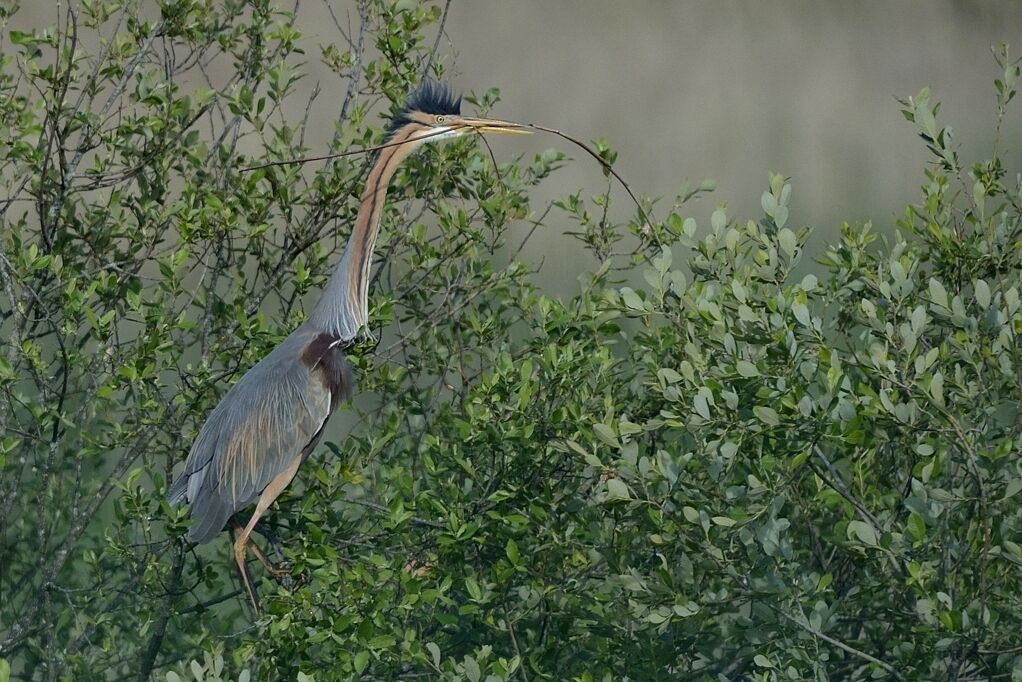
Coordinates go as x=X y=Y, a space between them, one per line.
x=268 y=423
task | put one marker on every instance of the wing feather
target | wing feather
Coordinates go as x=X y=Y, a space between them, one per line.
x=271 y=415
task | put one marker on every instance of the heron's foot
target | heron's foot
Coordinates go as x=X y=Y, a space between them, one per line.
x=280 y=570
x=271 y=537
x=285 y=575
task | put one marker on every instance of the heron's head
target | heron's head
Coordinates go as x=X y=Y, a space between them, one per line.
x=433 y=112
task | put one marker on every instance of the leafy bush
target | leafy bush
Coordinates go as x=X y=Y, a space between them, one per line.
x=725 y=472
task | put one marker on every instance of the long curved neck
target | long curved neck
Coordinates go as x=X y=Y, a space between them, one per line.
x=343 y=307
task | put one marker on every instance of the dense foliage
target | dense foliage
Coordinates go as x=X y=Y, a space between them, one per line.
x=724 y=472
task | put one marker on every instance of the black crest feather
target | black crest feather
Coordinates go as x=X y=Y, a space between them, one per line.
x=431 y=97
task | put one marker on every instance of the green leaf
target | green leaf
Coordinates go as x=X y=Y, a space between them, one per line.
x=656 y=617
x=472 y=586
x=606 y=434
x=746 y=369
x=700 y=405
x=632 y=299
x=668 y=375
x=767 y=415
x=801 y=313
x=718 y=219
x=591 y=459
x=917 y=527
x=731 y=239
x=780 y=217
x=617 y=490
x=863 y=532
x=626 y=427
x=19 y=38
x=937 y=293
x=982 y=291
x=788 y=242
x=511 y=549
x=937 y=388
x=525 y=369
x=361 y=661
x=472 y=670
x=898 y=273
x=918 y=319
x=434 y=652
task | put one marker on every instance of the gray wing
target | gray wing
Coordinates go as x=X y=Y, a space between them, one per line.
x=269 y=417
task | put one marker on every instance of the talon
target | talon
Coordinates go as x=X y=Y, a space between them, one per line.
x=281 y=569
x=300 y=580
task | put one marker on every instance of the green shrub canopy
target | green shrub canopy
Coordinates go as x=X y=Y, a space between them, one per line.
x=698 y=466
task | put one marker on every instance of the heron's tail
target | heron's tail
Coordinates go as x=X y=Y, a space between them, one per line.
x=209 y=510
x=210 y=513
x=178 y=489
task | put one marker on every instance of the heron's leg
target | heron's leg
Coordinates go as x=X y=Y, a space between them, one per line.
x=246 y=576
x=277 y=570
x=269 y=494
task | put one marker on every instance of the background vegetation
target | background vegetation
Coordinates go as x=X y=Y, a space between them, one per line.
x=699 y=466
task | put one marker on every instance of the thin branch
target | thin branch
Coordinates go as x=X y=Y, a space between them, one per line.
x=19 y=630
x=129 y=74
x=211 y=602
x=841 y=645
x=436 y=43
x=355 y=77
x=514 y=643
x=379 y=508
x=836 y=484
x=156 y=640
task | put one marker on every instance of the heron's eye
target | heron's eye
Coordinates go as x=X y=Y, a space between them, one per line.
x=439 y=119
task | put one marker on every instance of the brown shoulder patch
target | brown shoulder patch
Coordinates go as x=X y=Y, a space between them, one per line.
x=327 y=363
x=316 y=349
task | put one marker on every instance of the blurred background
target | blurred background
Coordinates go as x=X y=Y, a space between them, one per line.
x=733 y=90
x=724 y=90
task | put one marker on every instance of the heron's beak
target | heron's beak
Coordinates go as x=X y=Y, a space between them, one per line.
x=493 y=126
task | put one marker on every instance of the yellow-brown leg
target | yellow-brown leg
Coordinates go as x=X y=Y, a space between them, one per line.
x=278 y=571
x=273 y=569
x=269 y=494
